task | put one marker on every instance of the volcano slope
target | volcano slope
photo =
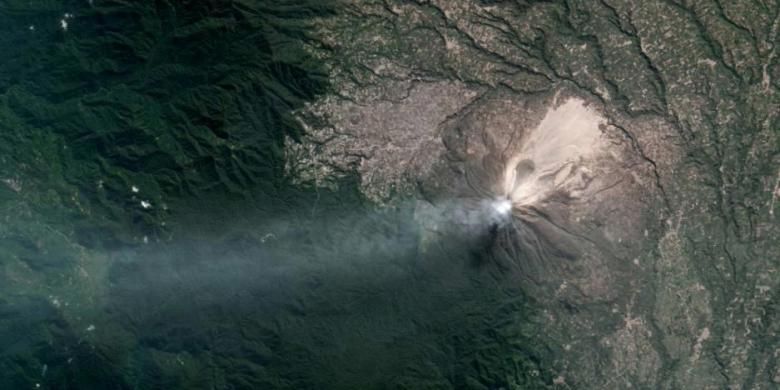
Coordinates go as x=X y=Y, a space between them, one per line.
x=637 y=141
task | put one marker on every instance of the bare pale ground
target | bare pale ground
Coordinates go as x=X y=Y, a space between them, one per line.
x=552 y=155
